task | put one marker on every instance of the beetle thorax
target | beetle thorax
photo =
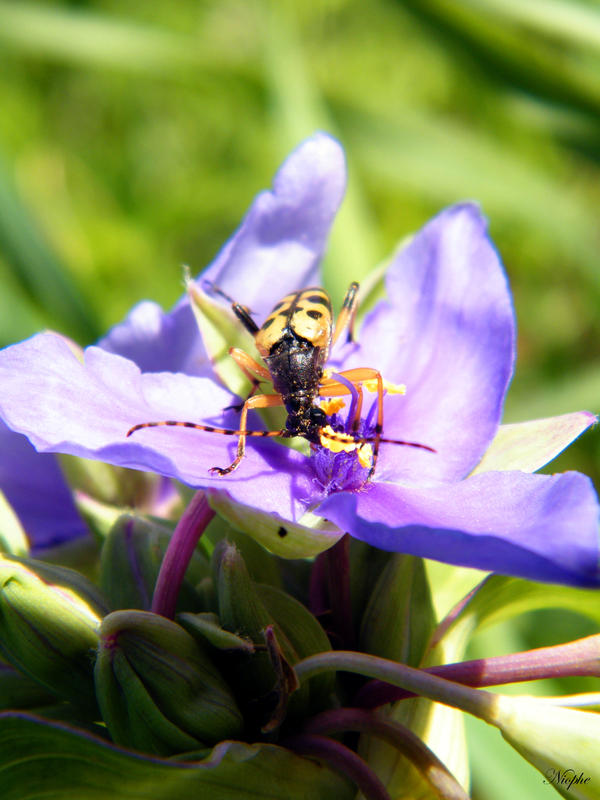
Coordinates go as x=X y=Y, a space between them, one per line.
x=296 y=367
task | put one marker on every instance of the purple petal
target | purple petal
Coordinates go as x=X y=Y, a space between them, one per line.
x=157 y=341
x=447 y=332
x=542 y=527
x=85 y=409
x=281 y=241
x=276 y=250
x=35 y=488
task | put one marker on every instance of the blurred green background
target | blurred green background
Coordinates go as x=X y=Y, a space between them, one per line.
x=134 y=135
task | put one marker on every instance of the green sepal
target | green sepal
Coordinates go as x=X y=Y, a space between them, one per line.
x=130 y=563
x=12 y=536
x=240 y=609
x=132 y=717
x=206 y=627
x=48 y=632
x=306 y=638
x=262 y=566
x=221 y=329
x=243 y=610
x=308 y=537
x=93 y=769
x=150 y=670
x=399 y=617
x=555 y=740
x=528 y=446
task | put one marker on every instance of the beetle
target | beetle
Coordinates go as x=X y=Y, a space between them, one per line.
x=294 y=342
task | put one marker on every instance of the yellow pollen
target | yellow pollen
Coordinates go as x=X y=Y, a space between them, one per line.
x=336 y=442
x=333 y=405
x=365 y=455
x=390 y=388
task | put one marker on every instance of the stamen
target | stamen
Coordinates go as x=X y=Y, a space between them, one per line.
x=365 y=455
x=356 y=395
x=391 y=388
x=333 y=405
x=337 y=442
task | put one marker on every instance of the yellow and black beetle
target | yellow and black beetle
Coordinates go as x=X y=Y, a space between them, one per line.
x=294 y=342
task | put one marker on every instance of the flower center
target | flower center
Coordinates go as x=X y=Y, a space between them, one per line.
x=340 y=462
x=343 y=460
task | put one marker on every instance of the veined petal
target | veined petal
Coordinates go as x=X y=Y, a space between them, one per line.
x=447 y=332
x=159 y=341
x=85 y=409
x=35 y=488
x=542 y=527
x=276 y=250
x=280 y=243
x=530 y=445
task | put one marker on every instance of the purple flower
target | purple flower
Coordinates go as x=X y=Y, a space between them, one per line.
x=445 y=330
x=35 y=488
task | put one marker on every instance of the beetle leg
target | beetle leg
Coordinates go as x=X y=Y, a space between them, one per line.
x=333 y=387
x=254 y=371
x=259 y=401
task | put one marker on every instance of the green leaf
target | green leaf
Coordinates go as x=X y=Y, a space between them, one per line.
x=300 y=109
x=76 y=35
x=93 y=769
x=397 y=624
x=36 y=268
x=499 y=598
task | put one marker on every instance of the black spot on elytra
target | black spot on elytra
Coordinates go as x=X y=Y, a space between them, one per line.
x=318 y=299
x=282 y=532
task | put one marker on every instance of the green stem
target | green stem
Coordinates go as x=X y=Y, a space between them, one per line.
x=474 y=701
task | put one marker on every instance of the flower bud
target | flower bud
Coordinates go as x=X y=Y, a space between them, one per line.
x=562 y=743
x=248 y=608
x=131 y=559
x=157 y=689
x=302 y=636
x=49 y=632
x=399 y=617
x=12 y=535
x=241 y=611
